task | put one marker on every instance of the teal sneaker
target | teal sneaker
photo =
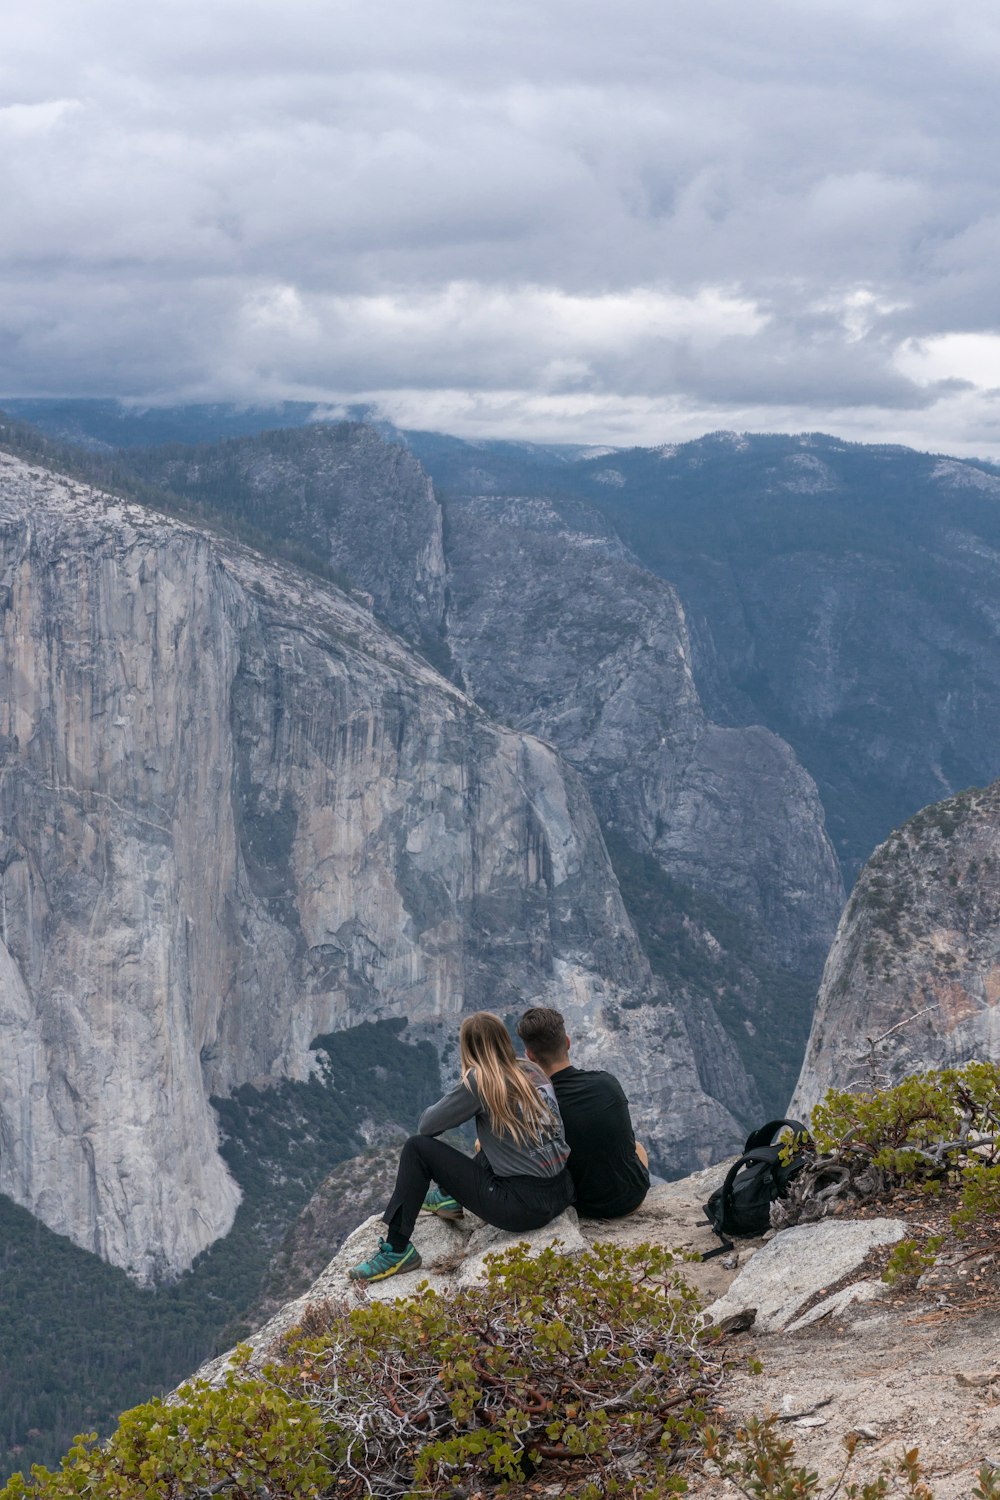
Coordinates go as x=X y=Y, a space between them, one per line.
x=442 y=1204
x=386 y=1262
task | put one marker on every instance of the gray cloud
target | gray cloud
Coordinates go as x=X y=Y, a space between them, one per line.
x=650 y=219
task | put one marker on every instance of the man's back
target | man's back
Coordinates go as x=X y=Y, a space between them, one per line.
x=610 y=1179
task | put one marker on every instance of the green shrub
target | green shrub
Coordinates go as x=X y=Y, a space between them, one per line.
x=908 y=1258
x=244 y=1439
x=590 y=1363
x=932 y=1129
x=928 y=1124
x=980 y=1196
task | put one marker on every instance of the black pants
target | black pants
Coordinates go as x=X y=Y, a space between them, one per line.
x=515 y=1203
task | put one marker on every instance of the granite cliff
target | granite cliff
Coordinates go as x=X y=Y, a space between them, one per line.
x=236 y=813
x=558 y=628
x=917 y=953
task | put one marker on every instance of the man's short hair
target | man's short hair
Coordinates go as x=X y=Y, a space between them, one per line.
x=543 y=1030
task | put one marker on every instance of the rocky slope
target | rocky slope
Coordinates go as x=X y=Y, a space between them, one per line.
x=237 y=813
x=917 y=953
x=358 y=1188
x=832 y=1350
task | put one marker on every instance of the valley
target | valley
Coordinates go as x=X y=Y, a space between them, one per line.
x=325 y=728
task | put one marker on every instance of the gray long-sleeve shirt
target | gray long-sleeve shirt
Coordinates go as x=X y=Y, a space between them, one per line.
x=538 y=1158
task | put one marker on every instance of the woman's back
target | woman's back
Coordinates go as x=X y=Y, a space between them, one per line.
x=538 y=1154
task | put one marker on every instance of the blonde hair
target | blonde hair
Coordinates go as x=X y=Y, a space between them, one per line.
x=513 y=1103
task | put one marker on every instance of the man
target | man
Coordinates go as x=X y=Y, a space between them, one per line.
x=608 y=1168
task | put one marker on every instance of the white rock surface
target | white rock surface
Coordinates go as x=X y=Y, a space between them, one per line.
x=797 y=1264
x=857 y=1292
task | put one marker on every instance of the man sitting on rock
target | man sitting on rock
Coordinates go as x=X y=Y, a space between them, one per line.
x=608 y=1167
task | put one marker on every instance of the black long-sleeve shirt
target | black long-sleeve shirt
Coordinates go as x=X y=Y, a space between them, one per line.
x=610 y=1179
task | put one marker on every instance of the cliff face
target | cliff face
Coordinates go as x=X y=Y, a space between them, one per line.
x=918 y=948
x=557 y=628
x=235 y=814
x=344 y=495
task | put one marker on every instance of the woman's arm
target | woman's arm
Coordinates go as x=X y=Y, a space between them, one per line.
x=461 y=1104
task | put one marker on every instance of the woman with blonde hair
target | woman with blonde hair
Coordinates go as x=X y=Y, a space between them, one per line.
x=518 y=1179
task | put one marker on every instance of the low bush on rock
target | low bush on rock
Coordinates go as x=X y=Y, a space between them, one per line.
x=590 y=1365
x=919 y=1127
x=909 y=1258
x=762 y=1465
x=932 y=1128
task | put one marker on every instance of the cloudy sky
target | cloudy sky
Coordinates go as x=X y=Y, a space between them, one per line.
x=564 y=219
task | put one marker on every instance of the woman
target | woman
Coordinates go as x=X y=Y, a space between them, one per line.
x=517 y=1181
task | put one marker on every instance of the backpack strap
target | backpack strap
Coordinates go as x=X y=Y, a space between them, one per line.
x=765 y=1135
x=719 y=1249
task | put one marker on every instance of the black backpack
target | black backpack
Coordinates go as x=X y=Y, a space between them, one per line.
x=742 y=1205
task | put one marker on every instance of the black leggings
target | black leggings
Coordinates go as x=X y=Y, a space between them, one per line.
x=515 y=1203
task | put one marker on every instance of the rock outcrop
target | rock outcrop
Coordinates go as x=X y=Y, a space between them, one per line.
x=237 y=813
x=773 y=1280
x=454 y=1254
x=917 y=954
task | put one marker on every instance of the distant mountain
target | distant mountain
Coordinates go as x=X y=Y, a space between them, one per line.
x=843 y=595
x=106 y=424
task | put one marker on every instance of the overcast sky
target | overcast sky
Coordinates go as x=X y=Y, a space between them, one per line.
x=565 y=220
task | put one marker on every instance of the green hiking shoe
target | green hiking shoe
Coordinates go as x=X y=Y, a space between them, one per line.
x=386 y=1262
x=442 y=1204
